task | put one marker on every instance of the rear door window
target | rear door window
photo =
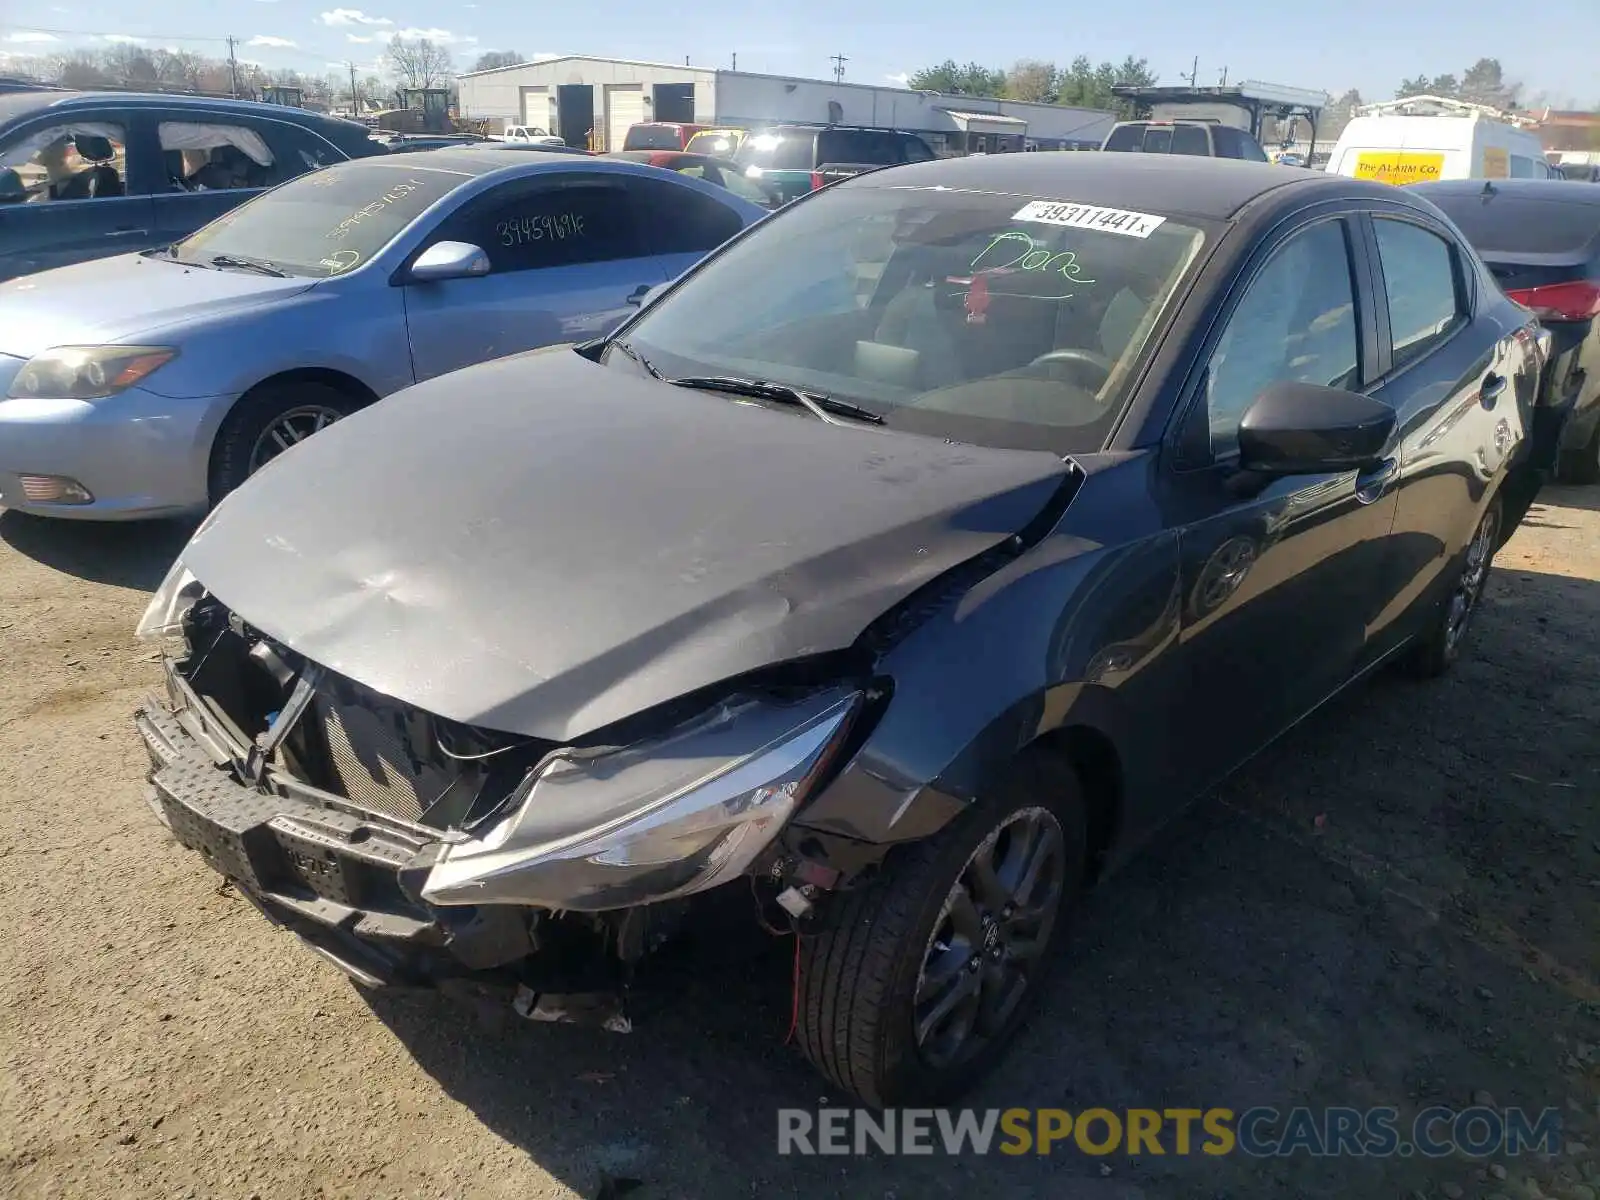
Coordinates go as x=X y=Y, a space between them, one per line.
x=858 y=146
x=527 y=228
x=1421 y=279
x=210 y=156
x=679 y=220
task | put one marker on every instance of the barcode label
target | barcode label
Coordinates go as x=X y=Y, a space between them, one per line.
x=1089 y=216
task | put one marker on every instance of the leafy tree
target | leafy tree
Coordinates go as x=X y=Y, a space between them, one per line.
x=952 y=80
x=1032 y=80
x=1420 y=86
x=1485 y=83
x=490 y=59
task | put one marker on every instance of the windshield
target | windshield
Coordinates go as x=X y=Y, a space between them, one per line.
x=983 y=318
x=653 y=137
x=325 y=223
x=716 y=144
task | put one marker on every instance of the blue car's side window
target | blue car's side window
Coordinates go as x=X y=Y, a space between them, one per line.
x=80 y=160
x=554 y=225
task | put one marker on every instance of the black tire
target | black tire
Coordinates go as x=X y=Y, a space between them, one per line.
x=233 y=455
x=1440 y=645
x=1581 y=466
x=860 y=977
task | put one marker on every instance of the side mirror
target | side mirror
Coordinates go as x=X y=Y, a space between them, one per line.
x=641 y=299
x=1306 y=429
x=449 y=260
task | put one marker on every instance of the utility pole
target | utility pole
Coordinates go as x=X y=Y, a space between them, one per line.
x=233 y=66
x=838 y=61
x=1194 y=72
x=355 y=97
x=1223 y=82
x=735 y=60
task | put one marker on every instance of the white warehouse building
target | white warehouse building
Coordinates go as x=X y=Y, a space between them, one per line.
x=594 y=101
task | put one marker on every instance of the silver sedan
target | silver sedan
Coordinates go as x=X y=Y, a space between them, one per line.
x=153 y=384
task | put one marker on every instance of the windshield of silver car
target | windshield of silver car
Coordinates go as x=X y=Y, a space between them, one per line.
x=998 y=320
x=325 y=223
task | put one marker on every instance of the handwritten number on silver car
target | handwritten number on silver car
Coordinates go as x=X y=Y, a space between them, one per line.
x=560 y=226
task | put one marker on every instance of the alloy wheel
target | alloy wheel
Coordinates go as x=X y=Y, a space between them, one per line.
x=288 y=428
x=1469 y=588
x=989 y=941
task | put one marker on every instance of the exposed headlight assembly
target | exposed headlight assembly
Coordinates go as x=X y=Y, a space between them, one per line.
x=163 y=616
x=86 y=372
x=662 y=818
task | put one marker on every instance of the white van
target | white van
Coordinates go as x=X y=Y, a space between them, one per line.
x=1424 y=138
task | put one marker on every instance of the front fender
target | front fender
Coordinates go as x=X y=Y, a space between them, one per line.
x=1058 y=638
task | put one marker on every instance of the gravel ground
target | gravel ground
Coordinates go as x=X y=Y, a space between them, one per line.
x=1396 y=904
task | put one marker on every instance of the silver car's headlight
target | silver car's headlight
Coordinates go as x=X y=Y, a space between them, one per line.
x=86 y=372
x=662 y=818
x=163 y=616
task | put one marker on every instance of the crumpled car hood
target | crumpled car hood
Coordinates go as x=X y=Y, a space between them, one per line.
x=544 y=546
x=117 y=300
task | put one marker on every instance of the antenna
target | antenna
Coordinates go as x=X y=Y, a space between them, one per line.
x=838 y=61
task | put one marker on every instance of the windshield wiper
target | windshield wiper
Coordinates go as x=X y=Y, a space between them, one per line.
x=238 y=262
x=650 y=368
x=819 y=404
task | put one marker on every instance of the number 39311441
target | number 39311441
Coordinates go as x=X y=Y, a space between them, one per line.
x=520 y=231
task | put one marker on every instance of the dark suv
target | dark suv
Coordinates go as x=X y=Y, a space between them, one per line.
x=1207 y=139
x=792 y=160
x=89 y=174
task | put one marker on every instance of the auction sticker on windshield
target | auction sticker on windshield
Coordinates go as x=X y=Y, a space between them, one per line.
x=1398 y=166
x=1089 y=216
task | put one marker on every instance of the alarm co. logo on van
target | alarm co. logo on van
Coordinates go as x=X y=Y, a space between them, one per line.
x=1399 y=167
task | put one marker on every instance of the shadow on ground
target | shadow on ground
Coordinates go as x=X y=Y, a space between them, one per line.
x=131 y=554
x=1394 y=905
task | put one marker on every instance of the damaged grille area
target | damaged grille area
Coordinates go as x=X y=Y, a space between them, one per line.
x=384 y=756
x=371 y=754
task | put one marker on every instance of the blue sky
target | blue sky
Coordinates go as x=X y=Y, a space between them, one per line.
x=1367 y=44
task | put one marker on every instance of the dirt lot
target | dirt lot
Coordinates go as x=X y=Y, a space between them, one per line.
x=1396 y=905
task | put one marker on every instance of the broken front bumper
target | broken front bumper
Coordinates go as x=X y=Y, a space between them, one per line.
x=346 y=881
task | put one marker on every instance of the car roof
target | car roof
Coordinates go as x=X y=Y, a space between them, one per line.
x=1561 y=190
x=1209 y=188
x=18 y=105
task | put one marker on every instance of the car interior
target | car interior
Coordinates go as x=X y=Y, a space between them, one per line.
x=70 y=166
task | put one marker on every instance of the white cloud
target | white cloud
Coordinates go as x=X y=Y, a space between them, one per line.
x=440 y=37
x=267 y=39
x=899 y=79
x=359 y=39
x=352 y=16
x=31 y=37
x=123 y=39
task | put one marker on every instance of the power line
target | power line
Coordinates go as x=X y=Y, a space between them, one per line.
x=102 y=33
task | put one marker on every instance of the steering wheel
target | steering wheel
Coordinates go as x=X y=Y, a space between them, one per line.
x=1083 y=358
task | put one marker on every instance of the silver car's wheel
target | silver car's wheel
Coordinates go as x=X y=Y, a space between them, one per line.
x=288 y=429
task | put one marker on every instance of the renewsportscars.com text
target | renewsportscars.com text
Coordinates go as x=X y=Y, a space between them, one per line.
x=1260 y=1132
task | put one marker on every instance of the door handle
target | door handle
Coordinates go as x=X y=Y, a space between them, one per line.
x=636 y=297
x=1371 y=485
x=1491 y=387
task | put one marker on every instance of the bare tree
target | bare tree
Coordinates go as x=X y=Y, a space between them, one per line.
x=181 y=68
x=490 y=59
x=419 y=64
x=130 y=64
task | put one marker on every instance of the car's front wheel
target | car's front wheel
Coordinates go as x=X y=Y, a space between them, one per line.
x=922 y=978
x=268 y=421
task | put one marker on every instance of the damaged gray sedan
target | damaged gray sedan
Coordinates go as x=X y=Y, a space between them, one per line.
x=903 y=566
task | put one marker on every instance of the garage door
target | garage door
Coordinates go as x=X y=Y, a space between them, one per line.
x=624 y=107
x=536 y=106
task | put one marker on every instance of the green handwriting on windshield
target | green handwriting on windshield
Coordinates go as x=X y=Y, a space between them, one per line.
x=1015 y=250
